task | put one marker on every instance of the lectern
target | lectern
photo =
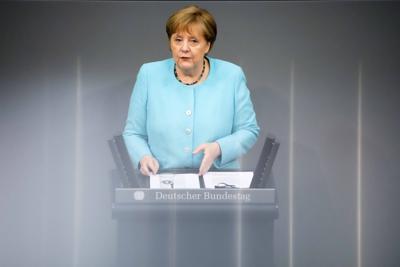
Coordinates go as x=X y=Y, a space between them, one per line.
x=189 y=230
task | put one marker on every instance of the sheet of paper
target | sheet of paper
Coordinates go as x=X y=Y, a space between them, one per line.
x=174 y=181
x=238 y=179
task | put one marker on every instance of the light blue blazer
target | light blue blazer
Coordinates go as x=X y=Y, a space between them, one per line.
x=168 y=120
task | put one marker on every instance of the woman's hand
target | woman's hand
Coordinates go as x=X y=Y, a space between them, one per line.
x=211 y=152
x=148 y=165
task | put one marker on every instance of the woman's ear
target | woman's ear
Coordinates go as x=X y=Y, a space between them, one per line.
x=169 y=45
x=208 y=48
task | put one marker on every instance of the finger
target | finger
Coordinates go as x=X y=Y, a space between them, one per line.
x=205 y=165
x=144 y=169
x=199 y=148
x=152 y=166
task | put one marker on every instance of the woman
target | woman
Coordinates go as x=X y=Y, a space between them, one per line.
x=190 y=111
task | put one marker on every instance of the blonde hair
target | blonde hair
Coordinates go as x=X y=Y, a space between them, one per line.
x=183 y=19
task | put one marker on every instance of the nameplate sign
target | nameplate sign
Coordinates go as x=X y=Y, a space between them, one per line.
x=201 y=196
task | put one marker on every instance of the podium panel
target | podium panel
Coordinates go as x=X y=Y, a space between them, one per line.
x=194 y=234
x=191 y=230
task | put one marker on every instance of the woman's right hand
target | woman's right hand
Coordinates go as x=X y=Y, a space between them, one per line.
x=148 y=165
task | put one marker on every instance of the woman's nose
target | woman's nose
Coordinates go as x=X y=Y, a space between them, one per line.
x=185 y=46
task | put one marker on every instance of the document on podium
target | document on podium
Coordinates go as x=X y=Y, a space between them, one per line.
x=228 y=179
x=174 y=181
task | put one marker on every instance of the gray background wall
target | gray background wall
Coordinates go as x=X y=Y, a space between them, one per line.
x=324 y=78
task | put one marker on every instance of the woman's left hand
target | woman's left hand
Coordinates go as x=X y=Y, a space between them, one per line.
x=211 y=152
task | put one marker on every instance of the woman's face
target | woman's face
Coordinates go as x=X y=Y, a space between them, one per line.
x=188 y=48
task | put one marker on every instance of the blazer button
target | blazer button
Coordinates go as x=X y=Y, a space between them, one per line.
x=188 y=113
x=188 y=131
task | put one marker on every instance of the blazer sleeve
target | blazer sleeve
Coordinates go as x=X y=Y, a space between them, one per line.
x=245 y=128
x=135 y=132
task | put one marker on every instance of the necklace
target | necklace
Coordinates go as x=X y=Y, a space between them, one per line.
x=201 y=75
